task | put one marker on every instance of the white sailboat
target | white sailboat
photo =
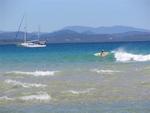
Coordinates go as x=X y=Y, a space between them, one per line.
x=32 y=43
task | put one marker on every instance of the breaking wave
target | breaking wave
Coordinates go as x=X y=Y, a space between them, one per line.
x=25 y=85
x=40 y=96
x=77 y=92
x=5 y=98
x=123 y=56
x=35 y=73
x=105 y=71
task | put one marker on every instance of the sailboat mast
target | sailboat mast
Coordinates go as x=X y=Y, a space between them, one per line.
x=25 y=34
x=39 y=33
x=25 y=28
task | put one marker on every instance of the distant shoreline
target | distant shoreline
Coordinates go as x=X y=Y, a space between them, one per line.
x=81 y=42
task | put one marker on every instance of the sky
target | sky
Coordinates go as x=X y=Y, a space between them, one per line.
x=53 y=15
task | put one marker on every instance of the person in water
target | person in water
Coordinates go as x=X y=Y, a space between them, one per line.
x=102 y=52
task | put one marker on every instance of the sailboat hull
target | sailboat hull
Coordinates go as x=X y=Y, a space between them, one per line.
x=32 y=45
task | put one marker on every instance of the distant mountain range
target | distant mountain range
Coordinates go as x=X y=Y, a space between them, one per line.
x=81 y=34
x=104 y=30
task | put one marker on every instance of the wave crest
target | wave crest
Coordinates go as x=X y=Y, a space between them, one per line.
x=6 y=98
x=35 y=73
x=104 y=71
x=77 y=92
x=25 y=85
x=41 y=96
x=123 y=56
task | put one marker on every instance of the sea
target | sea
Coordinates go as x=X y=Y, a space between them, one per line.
x=73 y=78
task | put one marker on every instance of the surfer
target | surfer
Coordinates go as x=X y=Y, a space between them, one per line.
x=102 y=52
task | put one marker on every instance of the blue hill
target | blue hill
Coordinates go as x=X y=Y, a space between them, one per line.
x=78 y=34
x=104 y=30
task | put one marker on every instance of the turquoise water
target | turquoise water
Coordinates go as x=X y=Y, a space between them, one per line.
x=55 y=55
x=70 y=78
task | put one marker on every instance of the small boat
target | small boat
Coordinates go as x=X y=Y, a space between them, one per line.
x=32 y=43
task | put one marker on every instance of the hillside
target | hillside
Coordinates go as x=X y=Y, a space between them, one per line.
x=82 y=34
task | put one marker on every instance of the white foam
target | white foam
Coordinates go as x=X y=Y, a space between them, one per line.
x=123 y=56
x=77 y=92
x=105 y=71
x=26 y=85
x=35 y=73
x=97 y=54
x=41 y=96
x=6 y=98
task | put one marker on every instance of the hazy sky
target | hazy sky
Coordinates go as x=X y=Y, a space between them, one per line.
x=56 y=14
